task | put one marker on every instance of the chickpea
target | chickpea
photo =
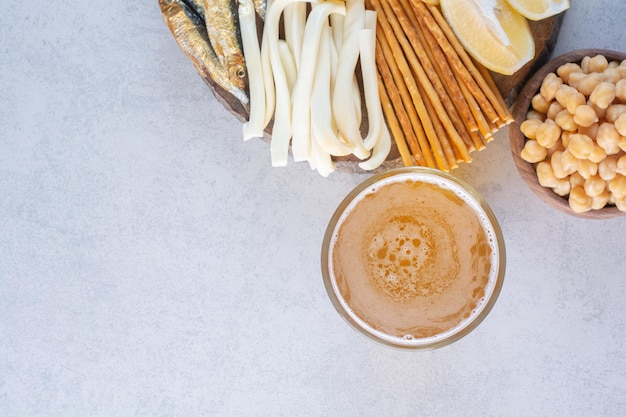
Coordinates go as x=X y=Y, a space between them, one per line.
x=622 y=69
x=554 y=109
x=607 y=169
x=591 y=131
x=611 y=198
x=600 y=112
x=564 y=94
x=565 y=136
x=611 y=75
x=579 y=201
x=620 y=124
x=586 y=168
x=557 y=165
x=620 y=203
x=594 y=185
x=622 y=143
x=566 y=121
x=545 y=175
x=580 y=145
x=617 y=186
x=548 y=133
x=529 y=127
x=533 y=152
x=565 y=71
x=584 y=64
x=569 y=98
x=620 y=165
x=576 y=180
x=585 y=115
x=575 y=78
x=562 y=187
x=614 y=111
x=589 y=82
x=597 y=63
x=597 y=155
x=539 y=103
x=603 y=94
x=550 y=84
x=620 y=90
x=534 y=114
x=601 y=200
x=608 y=138
x=558 y=146
x=569 y=162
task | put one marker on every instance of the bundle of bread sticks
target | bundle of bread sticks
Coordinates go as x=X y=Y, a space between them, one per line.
x=439 y=104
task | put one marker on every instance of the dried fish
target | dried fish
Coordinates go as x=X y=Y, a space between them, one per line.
x=222 y=25
x=197 y=6
x=189 y=31
x=260 y=6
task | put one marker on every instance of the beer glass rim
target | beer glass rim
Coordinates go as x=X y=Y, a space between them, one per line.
x=416 y=344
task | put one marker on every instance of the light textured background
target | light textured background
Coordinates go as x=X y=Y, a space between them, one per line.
x=153 y=264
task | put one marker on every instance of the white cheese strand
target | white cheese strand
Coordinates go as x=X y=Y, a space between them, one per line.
x=378 y=136
x=301 y=113
x=294 y=22
x=343 y=94
x=289 y=64
x=320 y=159
x=252 y=54
x=356 y=97
x=268 y=81
x=367 y=46
x=310 y=87
x=336 y=24
x=322 y=124
x=281 y=130
x=380 y=152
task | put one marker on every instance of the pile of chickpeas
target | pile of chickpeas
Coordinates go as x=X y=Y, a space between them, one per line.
x=576 y=133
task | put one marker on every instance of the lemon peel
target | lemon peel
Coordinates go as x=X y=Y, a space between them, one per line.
x=491 y=31
x=539 y=9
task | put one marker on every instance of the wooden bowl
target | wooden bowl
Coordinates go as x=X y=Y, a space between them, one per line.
x=517 y=138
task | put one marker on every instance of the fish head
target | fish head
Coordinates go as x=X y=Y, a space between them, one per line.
x=237 y=72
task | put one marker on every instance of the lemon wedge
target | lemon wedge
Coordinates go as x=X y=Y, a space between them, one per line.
x=492 y=32
x=539 y=9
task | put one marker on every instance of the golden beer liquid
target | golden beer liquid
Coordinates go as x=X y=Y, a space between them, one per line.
x=413 y=259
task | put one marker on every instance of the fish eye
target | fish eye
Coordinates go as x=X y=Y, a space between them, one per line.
x=241 y=73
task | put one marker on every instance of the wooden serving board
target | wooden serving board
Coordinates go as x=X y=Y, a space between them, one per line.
x=545 y=33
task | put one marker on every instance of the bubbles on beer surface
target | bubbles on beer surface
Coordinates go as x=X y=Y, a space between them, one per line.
x=409 y=258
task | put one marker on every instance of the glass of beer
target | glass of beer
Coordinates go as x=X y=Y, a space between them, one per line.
x=413 y=258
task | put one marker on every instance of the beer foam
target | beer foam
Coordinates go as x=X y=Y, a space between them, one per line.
x=402 y=257
x=414 y=255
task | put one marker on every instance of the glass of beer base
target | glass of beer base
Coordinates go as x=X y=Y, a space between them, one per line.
x=413 y=258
